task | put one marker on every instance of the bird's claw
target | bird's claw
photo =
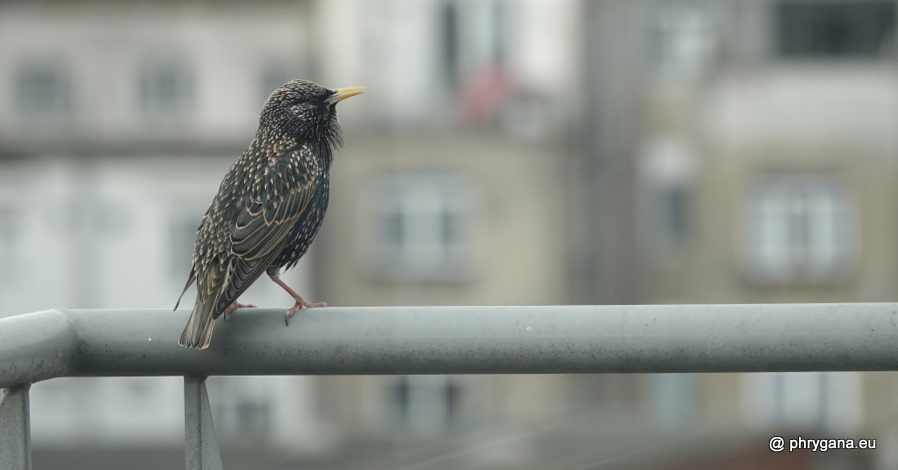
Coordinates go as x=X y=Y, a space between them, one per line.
x=300 y=304
x=234 y=306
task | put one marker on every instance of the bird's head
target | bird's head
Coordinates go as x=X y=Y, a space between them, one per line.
x=305 y=110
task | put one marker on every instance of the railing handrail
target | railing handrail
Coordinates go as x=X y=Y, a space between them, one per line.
x=428 y=340
x=456 y=340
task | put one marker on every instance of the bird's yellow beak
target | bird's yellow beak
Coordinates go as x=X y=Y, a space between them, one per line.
x=341 y=94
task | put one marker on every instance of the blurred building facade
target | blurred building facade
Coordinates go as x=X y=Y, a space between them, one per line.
x=744 y=152
x=119 y=120
x=121 y=117
x=506 y=153
x=766 y=174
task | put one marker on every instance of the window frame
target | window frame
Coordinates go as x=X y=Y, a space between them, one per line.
x=426 y=196
x=800 y=200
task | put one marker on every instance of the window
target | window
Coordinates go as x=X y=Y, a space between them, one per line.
x=244 y=407
x=166 y=88
x=834 y=29
x=500 y=31
x=673 y=398
x=679 y=37
x=43 y=91
x=668 y=165
x=800 y=227
x=826 y=401
x=423 y=403
x=252 y=417
x=450 y=36
x=671 y=218
x=473 y=38
x=422 y=226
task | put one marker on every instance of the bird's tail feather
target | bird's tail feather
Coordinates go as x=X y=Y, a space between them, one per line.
x=190 y=279
x=198 y=332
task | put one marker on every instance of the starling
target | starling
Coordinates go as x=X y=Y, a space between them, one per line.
x=269 y=205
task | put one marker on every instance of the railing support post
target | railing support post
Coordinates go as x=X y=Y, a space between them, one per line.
x=15 y=429
x=201 y=449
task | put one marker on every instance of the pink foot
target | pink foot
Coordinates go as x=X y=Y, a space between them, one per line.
x=234 y=306
x=300 y=303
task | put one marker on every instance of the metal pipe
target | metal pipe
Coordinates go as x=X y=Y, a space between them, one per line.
x=458 y=340
x=200 y=447
x=36 y=346
x=15 y=429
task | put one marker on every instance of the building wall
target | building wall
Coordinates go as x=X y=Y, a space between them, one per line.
x=101 y=197
x=516 y=222
x=97 y=192
x=105 y=193
x=748 y=114
x=508 y=165
x=101 y=50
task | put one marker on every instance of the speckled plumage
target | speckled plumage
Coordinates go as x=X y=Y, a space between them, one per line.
x=269 y=206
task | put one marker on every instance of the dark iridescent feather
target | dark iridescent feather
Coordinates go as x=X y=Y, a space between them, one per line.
x=269 y=205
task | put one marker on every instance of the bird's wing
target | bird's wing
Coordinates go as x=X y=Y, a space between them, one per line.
x=267 y=216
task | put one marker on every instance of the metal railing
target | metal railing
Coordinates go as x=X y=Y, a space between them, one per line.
x=429 y=340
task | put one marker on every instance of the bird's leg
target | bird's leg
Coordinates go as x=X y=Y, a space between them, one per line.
x=234 y=306
x=300 y=301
